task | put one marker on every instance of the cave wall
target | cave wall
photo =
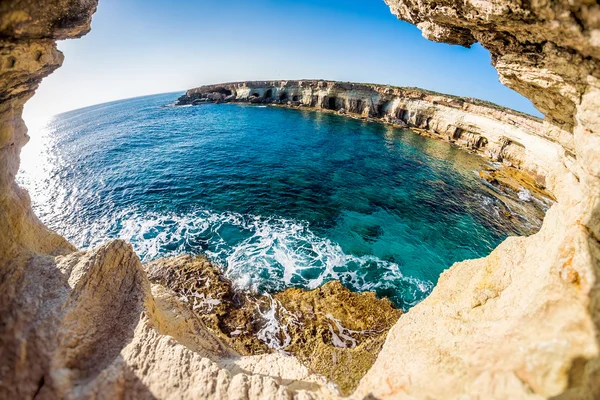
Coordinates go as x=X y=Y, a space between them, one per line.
x=28 y=34
x=524 y=321
x=89 y=324
x=520 y=323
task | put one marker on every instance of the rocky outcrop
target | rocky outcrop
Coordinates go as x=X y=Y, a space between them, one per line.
x=520 y=323
x=548 y=51
x=505 y=135
x=28 y=34
x=90 y=324
x=334 y=332
x=524 y=321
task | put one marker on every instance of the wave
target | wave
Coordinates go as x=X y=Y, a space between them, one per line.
x=259 y=254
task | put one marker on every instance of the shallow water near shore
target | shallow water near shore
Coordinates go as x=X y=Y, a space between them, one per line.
x=276 y=197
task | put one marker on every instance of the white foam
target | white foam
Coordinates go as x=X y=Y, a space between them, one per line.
x=272 y=253
x=275 y=321
x=342 y=338
x=524 y=195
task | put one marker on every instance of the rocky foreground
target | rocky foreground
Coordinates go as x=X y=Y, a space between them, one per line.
x=522 y=323
x=332 y=331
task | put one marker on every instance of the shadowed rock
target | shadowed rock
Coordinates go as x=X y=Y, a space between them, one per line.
x=333 y=331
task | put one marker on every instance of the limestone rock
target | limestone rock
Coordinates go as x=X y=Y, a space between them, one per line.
x=524 y=321
x=544 y=50
x=334 y=332
x=521 y=323
x=520 y=140
x=90 y=325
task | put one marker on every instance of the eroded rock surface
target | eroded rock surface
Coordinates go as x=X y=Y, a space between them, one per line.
x=520 y=323
x=90 y=324
x=333 y=331
x=524 y=321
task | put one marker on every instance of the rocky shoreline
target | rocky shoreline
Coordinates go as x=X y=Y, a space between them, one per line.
x=511 y=139
x=496 y=132
x=334 y=332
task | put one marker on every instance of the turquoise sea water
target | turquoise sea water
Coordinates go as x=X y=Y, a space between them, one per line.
x=276 y=197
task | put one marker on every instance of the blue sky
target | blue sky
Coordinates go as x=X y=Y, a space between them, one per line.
x=139 y=47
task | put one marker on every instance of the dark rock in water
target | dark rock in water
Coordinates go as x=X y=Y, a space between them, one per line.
x=333 y=331
x=395 y=121
x=216 y=96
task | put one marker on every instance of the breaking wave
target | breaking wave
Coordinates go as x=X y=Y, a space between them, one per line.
x=274 y=197
x=260 y=254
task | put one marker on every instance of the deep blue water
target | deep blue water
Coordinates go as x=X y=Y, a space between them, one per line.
x=277 y=197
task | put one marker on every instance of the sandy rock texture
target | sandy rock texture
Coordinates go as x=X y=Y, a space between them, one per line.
x=521 y=323
x=333 y=331
x=90 y=324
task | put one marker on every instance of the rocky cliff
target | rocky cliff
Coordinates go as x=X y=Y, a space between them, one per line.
x=91 y=324
x=520 y=323
x=516 y=139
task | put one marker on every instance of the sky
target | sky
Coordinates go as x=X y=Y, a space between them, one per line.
x=140 y=47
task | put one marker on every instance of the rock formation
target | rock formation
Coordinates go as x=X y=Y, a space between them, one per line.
x=505 y=135
x=520 y=323
x=523 y=322
x=333 y=331
x=90 y=324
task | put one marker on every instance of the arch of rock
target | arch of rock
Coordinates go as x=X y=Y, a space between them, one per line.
x=520 y=323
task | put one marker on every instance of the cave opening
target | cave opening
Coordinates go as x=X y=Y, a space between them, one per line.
x=402 y=115
x=269 y=94
x=457 y=133
x=296 y=98
x=283 y=96
x=359 y=106
x=223 y=90
x=428 y=123
x=332 y=103
x=382 y=108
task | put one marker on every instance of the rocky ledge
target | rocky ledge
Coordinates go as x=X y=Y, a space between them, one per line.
x=332 y=331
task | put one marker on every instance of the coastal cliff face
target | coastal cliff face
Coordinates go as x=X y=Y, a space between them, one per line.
x=520 y=323
x=501 y=134
x=90 y=324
